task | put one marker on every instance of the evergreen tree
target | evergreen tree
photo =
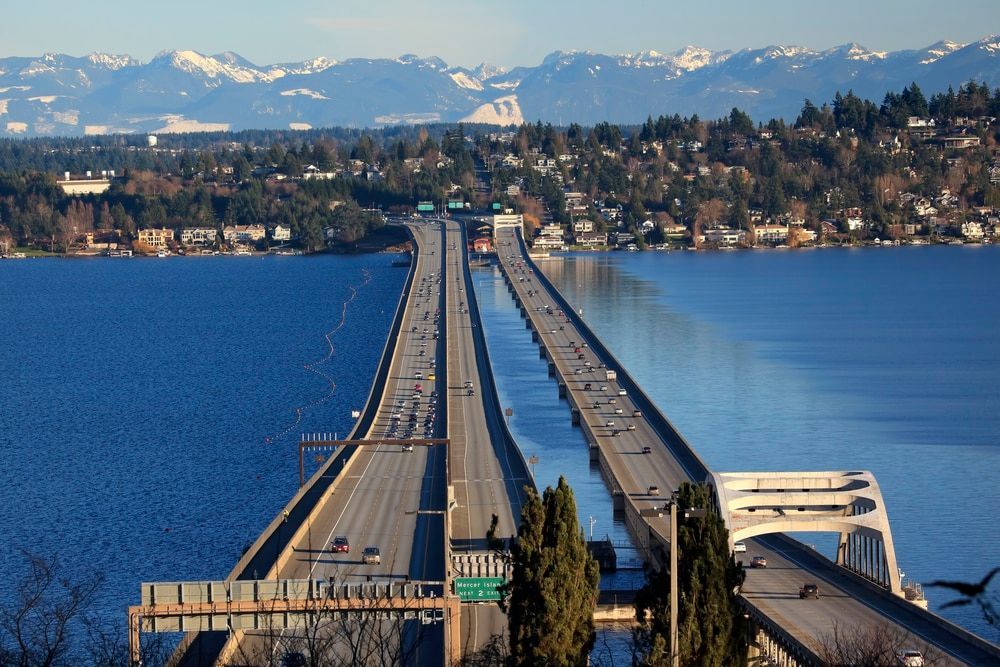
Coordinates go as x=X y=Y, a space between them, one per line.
x=708 y=575
x=552 y=594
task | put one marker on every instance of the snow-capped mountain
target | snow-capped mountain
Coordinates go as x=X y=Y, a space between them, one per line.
x=183 y=90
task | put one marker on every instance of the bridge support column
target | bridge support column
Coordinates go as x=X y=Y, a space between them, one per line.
x=575 y=417
x=617 y=501
x=453 y=631
x=595 y=453
x=552 y=369
x=534 y=336
x=842 y=548
x=541 y=352
x=562 y=390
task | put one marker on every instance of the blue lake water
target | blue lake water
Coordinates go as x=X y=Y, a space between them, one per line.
x=137 y=397
x=885 y=360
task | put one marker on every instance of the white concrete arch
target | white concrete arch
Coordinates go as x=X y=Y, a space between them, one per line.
x=845 y=502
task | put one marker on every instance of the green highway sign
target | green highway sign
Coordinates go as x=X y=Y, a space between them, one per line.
x=425 y=206
x=473 y=589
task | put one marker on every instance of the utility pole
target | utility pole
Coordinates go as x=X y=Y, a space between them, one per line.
x=701 y=513
x=675 y=657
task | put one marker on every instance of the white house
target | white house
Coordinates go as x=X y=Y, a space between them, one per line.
x=198 y=236
x=281 y=233
x=770 y=233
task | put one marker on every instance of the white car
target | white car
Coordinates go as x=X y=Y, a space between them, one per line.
x=910 y=658
x=739 y=547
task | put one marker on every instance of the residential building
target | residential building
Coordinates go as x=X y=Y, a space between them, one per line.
x=674 y=230
x=550 y=237
x=157 y=238
x=960 y=142
x=281 y=233
x=198 y=236
x=725 y=236
x=770 y=233
x=972 y=231
x=583 y=226
x=243 y=233
x=591 y=239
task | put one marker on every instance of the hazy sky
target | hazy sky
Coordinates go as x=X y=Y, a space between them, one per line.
x=467 y=32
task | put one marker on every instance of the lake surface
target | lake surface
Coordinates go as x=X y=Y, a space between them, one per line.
x=148 y=407
x=879 y=359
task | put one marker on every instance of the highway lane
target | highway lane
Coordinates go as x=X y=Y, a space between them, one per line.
x=774 y=590
x=480 y=479
x=480 y=485
x=377 y=500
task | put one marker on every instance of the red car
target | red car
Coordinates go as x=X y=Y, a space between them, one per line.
x=340 y=545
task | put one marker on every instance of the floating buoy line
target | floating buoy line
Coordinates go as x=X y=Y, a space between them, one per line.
x=316 y=366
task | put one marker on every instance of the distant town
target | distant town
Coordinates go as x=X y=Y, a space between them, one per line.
x=910 y=170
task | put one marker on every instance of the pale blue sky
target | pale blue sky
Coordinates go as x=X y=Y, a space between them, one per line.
x=466 y=32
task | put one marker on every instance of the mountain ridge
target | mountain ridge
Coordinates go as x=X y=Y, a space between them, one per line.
x=185 y=90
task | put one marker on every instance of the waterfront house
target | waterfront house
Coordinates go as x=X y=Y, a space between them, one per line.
x=245 y=234
x=591 y=239
x=156 y=238
x=770 y=233
x=972 y=231
x=198 y=236
x=281 y=233
x=724 y=236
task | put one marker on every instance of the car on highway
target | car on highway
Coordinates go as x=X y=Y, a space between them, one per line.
x=610 y=423
x=910 y=658
x=407 y=447
x=622 y=392
x=630 y=427
x=759 y=561
x=586 y=387
x=740 y=547
x=654 y=490
x=637 y=413
x=340 y=545
x=809 y=591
